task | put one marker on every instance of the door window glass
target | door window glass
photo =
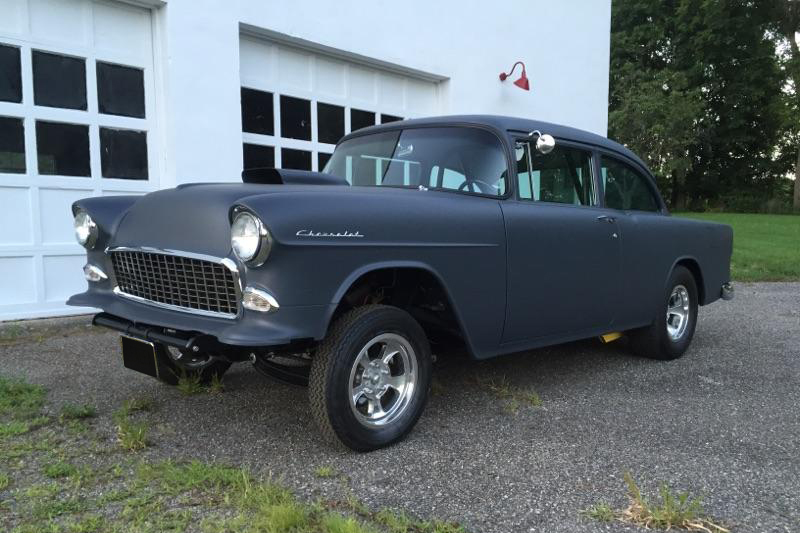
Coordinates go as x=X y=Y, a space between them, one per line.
x=625 y=188
x=563 y=176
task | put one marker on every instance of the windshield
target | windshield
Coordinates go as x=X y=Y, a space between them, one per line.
x=450 y=158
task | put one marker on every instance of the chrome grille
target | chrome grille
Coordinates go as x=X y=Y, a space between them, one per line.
x=196 y=285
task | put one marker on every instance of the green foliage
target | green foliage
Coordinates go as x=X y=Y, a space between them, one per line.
x=190 y=384
x=765 y=247
x=602 y=512
x=77 y=412
x=59 y=469
x=696 y=89
x=19 y=399
x=325 y=472
x=670 y=511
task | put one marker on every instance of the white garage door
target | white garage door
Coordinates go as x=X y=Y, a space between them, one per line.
x=76 y=120
x=296 y=104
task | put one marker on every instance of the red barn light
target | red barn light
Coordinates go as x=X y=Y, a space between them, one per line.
x=522 y=82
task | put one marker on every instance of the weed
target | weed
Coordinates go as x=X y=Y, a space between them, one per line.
x=325 y=472
x=132 y=436
x=216 y=386
x=531 y=398
x=59 y=469
x=513 y=397
x=134 y=405
x=602 y=512
x=76 y=412
x=395 y=522
x=5 y=480
x=190 y=384
x=672 y=510
x=175 y=477
x=87 y=524
x=336 y=523
x=289 y=516
x=19 y=399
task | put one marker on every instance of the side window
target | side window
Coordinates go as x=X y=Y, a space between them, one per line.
x=625 y=188
x=563 y=176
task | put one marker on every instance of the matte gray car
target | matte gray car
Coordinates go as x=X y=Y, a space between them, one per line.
x=489 y=234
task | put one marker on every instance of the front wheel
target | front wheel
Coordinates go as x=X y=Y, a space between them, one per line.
x=670 y=334
x=370 y=378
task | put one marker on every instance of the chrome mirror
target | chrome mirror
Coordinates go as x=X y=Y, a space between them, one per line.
x=544 y=142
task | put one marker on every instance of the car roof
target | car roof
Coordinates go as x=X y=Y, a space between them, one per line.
x=506 y=124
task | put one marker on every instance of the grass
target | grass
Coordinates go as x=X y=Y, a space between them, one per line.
x=20 y=400
x=678 y=510
x=190 y=384
x=91 y=486
x=59 y=469
x=765 y=247
x=512 y=397
x=76 y=412
x=132 y=436
x=325 y=472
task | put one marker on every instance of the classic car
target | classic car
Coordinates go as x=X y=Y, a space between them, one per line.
x=489 y=234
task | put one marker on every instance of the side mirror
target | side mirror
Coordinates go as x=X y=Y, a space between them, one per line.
x=544 y=142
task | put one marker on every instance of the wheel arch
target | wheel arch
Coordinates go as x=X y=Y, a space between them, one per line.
x=693 y=266
x=399 y=271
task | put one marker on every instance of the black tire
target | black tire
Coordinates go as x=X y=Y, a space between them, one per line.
x=654 y=341
x=175 y=370
x=329 y=385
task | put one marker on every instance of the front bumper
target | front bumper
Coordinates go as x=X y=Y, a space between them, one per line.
x=251 y=328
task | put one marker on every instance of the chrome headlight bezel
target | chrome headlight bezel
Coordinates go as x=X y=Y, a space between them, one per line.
x=82 y=222
x=263 y=244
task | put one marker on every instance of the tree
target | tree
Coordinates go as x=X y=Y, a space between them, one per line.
x=696 y=89
x=787 y=17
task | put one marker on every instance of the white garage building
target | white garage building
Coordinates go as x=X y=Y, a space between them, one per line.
x=103 y=98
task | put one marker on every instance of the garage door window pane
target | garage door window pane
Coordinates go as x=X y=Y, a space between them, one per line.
x=123 y=154
x=10 y=76
x=385 y=119
x=295 y=118
x=257 y=114
x=62 y=149
x=120 y=90
x=361 y=119
x=330 y=123
x=257 y=156
x=59 y=81
x=322 y=160
x=12 y=145
x=295 y=159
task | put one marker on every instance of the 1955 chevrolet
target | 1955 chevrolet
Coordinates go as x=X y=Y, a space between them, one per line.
x=493 y=234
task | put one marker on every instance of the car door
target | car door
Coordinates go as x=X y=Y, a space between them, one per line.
x=632 y=199
x=563 y=249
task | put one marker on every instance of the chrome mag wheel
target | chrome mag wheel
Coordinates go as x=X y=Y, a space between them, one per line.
x=678 y=311
x=382 y=380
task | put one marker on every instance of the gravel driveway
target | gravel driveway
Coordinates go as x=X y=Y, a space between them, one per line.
x=723 y=422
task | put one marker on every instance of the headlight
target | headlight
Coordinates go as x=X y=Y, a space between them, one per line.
x=250 y=240
x=85 y=230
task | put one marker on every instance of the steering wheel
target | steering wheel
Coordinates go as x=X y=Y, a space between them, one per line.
x=473 y=185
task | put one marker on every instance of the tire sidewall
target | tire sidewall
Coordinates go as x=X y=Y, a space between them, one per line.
x=383 y=319
x=675 y=348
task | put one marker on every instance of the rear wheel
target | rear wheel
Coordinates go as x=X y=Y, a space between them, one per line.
x=671 y=332
x=193 y=365
x=370 y=377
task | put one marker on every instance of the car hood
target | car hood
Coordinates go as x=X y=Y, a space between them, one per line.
x=194 y=217
x=191 y=217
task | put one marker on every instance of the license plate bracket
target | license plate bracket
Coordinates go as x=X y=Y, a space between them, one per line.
x=142 y=356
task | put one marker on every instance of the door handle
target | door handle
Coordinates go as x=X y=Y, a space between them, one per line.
x=606 y=218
